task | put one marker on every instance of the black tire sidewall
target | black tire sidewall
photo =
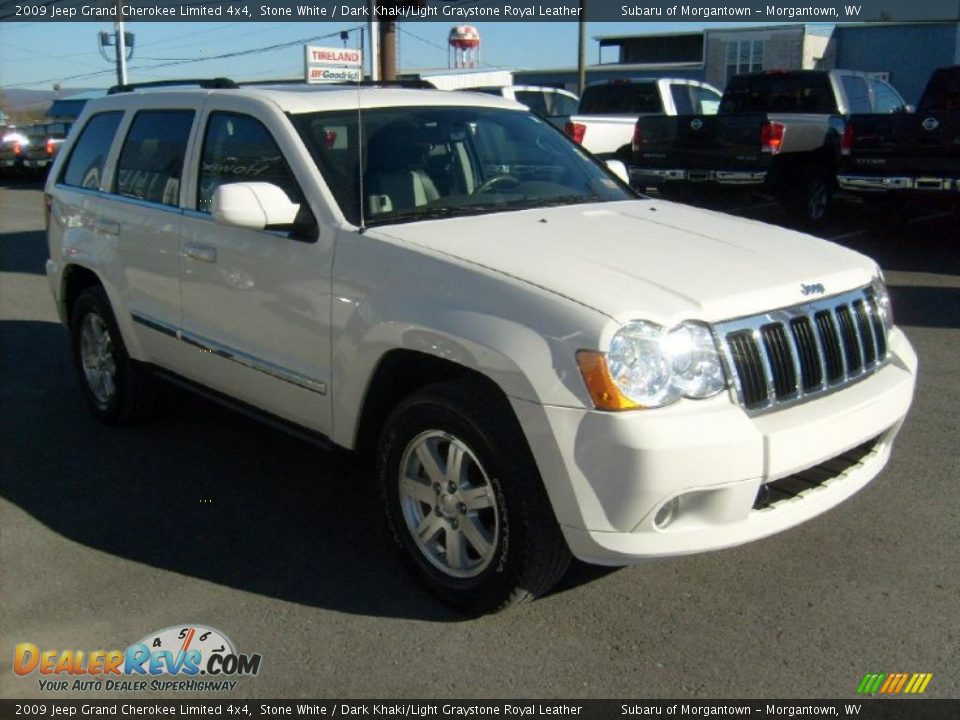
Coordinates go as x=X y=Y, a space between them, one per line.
x=491 y=588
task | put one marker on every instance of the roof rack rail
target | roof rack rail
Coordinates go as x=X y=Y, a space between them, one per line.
x=413 y=83
x=220 y=83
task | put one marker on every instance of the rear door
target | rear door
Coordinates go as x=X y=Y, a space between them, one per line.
x=256 y=303
x=141 y=214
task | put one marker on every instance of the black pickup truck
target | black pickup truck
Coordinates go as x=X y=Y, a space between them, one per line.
x=897 y=161
x=777 y=133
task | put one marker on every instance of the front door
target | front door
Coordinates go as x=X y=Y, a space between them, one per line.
x=256 y=304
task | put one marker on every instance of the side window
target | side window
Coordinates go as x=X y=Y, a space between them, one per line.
x=151 y=162
x=238 y=148
x=856 y=91
x=706 y=101
x=885 y=98
x=564 y=105
x=85 y=166
x=681 y=99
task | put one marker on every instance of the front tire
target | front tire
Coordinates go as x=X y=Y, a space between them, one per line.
x=118 y=390
x=464 y=499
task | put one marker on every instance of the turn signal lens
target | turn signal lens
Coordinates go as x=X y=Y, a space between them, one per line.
x=600 y=384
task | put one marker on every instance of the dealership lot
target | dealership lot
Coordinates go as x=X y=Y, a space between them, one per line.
x=206 y=517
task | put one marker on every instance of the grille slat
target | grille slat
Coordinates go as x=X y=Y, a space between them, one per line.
x=809 y=356
x=784 y=356
x=780 y=359
x=866 y=333
x=749 y=367
x=851 y=341
x=830 y=342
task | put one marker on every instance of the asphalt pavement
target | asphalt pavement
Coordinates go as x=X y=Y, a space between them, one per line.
x=204 y=516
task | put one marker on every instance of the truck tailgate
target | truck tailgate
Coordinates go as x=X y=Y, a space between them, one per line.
x=702 y=142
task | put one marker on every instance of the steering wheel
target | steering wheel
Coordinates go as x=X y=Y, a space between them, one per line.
x=491 y=183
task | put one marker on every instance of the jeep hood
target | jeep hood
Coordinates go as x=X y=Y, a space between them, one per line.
x=648 y=259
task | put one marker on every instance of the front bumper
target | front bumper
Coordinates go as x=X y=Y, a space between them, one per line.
x=608 y=474
x=651 y=176
x=878 y=183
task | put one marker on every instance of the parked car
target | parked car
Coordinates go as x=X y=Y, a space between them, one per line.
x=777 y=132
x=608 y=111
x=540 y=363
x=13 y=145
x=894 y=160
x=43 y=142
x=553 y=104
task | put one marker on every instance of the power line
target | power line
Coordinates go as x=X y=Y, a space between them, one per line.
x=187 y=61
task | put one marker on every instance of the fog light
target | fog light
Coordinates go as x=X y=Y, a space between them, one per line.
x=666 y=514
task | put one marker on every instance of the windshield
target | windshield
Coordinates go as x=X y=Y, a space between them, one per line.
x=428 y=162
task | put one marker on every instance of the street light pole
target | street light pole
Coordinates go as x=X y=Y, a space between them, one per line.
x=582 y=49
x=121 y=45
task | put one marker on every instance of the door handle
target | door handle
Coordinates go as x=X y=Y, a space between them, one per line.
x=107 y=227
x=203 y=253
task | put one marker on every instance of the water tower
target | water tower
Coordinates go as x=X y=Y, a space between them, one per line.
x=464 y=42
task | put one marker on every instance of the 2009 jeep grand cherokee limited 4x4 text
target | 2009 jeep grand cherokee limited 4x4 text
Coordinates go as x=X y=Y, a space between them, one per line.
x=542 y=362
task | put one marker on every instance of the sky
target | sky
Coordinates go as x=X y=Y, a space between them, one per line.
x=37 y=55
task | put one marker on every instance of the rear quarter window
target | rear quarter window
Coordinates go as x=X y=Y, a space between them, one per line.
x=84 y=167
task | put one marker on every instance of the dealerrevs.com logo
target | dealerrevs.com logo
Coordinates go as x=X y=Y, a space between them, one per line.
x=178 y=658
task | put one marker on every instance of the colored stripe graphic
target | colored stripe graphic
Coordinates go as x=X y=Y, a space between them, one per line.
x=894 y=683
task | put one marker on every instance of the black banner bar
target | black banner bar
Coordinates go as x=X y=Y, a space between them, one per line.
x=470 y=11
x=868 y=709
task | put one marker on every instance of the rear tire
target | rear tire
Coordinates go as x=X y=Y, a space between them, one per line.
x=464 y=499
x=810 y=201
x=119 y=390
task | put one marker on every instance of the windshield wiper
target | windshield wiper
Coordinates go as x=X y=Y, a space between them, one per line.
x=428 y=213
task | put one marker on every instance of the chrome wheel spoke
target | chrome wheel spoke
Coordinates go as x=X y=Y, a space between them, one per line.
x=430 y=459
x=456 y=551
x=429 y=528
x=457 y=463
x=476 y=535
x=419 y=490
x=477 y=498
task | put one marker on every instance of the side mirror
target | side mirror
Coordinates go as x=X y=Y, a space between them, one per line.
x=909 y=108
x=619 y=169
x=254 y=205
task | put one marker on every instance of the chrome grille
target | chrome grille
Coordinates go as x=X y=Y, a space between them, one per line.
x=784 y=356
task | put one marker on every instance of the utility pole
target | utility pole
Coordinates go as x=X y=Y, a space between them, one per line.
x=388 y=50
x=582 y=49
x=374 y=30
x=121 y=45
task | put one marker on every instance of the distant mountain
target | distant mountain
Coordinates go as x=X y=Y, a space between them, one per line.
x=18 y=99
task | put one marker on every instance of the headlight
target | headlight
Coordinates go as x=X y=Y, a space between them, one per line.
x=882 y=297
x=650 y=366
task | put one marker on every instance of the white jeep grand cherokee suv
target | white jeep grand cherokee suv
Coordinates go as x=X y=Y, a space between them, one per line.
x=541 y=362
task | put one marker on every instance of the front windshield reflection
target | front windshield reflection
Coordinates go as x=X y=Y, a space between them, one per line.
x=414 y=163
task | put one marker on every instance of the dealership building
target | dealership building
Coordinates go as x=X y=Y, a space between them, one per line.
x=903 y=53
